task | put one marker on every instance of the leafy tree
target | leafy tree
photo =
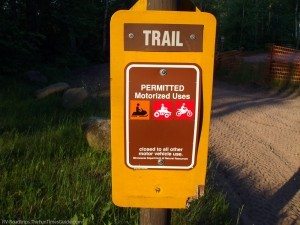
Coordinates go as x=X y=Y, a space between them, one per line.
x=253 y=23
x=72 y=33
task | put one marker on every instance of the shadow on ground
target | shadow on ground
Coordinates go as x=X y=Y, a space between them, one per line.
x=271 y=206
x=271 y=97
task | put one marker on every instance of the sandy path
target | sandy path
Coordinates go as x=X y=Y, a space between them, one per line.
x=255 y=138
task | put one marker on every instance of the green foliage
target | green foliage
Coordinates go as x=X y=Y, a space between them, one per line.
x=66 y=33
x=19 y=48
x=73 y=33
x=211 y=209
x=252 y=24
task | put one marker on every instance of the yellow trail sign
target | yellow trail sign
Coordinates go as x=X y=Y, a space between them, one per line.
x=161 y=92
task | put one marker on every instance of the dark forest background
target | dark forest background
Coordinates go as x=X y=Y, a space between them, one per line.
x=74 y=33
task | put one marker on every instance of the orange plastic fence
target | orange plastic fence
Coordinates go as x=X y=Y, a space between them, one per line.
x=284 y=64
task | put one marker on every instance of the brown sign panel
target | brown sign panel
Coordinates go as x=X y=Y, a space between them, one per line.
x=163 y=37
x=162 y=114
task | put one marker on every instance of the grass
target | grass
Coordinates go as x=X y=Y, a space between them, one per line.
x=212 y=208
x=49 y=172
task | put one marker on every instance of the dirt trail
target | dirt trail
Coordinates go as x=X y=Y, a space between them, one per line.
x=255 y=139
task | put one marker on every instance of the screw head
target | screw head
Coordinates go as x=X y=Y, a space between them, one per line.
x=192 y=36
x=157 y=189
x=163 y=72
x=131 y=35
x=160 y=162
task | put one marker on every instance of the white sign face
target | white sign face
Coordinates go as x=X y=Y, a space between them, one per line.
x=162 y=113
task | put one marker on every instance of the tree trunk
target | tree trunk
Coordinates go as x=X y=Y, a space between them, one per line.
x=242 y=26
x=155 y=217
x=297 y=23
x=185 y=5
x=31 y=15
x=162 y=216
x=269 y=18
x=13 y=10
x=72 y=40
x=162 y=5
x=105 y=30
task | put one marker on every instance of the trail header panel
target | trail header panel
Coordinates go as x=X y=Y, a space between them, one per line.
x=161 y=89
x=163 y=37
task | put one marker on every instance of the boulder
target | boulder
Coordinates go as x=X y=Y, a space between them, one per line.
x=74 y=97
x=97 y=133
x=51 y=89
x=35 y=76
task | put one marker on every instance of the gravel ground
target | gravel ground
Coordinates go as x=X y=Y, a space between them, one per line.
x=255 y=140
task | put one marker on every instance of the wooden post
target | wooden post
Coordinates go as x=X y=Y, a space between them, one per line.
x=162 y=5
x=155 y=216
x=158 y=216
x=184 y=5
x=162 y=216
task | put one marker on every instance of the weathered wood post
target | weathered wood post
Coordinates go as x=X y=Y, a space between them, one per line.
x=155 y=216
x=162 y=5
x=160 y=216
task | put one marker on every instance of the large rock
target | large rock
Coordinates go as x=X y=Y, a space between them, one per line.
x=51 y=89
x=97 y=133
x=35 y=76
x=74 y=97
